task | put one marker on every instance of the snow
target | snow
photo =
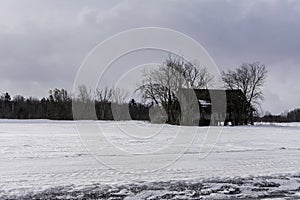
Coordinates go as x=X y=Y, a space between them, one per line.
x=38 y=157
x=204 y=103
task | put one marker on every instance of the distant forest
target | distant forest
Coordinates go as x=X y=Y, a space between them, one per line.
x=58 y=106
x=290 y=116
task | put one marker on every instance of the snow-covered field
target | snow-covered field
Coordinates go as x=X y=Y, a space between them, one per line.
x=138 y=160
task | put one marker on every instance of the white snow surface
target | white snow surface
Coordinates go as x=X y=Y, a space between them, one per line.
x=37 y=155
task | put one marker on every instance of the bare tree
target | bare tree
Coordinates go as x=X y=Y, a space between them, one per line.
x=103 y=103
x=83 y=106
x=104 y=95
x=112 y=103
x=161 y=85
x=84 y=94
x=116 y=95
x=196 y=77
x=249 y=78
x=119 y=96
x=120 y=106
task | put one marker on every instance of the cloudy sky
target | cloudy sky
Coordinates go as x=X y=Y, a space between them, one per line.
x=43 y=42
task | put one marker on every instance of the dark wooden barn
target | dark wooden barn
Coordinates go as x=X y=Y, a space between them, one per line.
x=216 y=107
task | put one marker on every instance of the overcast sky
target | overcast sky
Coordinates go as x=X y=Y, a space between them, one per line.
x=43 y=42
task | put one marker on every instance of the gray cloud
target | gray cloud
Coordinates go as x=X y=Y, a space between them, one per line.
x=42 y=44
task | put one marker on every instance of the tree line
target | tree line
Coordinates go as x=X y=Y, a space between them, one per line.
x=288 y=116
x=58 y=105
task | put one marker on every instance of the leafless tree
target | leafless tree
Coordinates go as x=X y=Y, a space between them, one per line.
x=114 y=100
x=161 y=85
x=85 y=94
x=103 y=99
x=115 y=95
x=120 y=106
x=104 y=95
x=196 y=77
x=83 y=105
x=249 y=78
x=119 y=96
